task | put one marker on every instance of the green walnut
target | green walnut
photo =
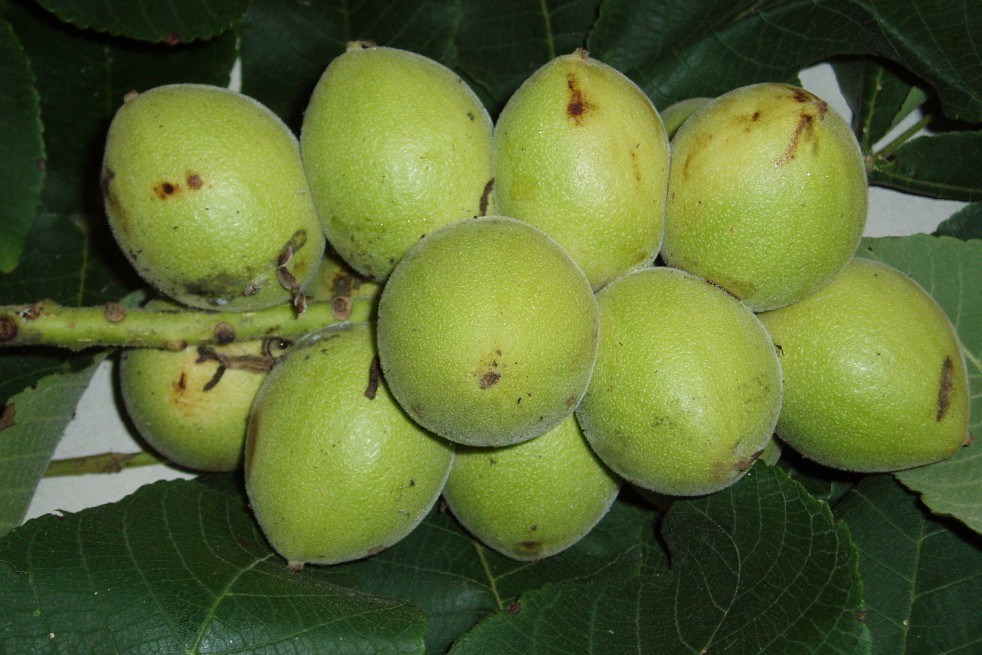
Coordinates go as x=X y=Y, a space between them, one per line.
x=192 y=406
x=580 y=151
x=534 y=499
x=767 y=194
x=874 y=376
x=487 y=332
x=687 y=385
x=207 y=197
x=334 y=469
x=395 y=145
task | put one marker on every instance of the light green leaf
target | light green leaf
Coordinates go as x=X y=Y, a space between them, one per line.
x=923 y=576
x=966 y=223
x=31 y=426
x=950 y=270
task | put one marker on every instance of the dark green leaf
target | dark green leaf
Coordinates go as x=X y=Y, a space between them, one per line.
x=879 y=94
x=949 y=269
x=31 y=425
x=923 y=578
x=172 y=22
x=944 y=165
x=438 y=567
x=820 y=481
x=285 y=47
x=966 y=223
x=22 y=156
x=458 y=581
x=758 y=568
x=180 y=567
x=595 y=614
x=493 y=45
x=677 y=49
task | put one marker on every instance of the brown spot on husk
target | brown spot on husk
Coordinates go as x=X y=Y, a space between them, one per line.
x=194 y=181
x=530 y=546
x=489 y=379
x=165 y=190
x=485 y=198
x=635 y=167
x=374 y=378
x=8 y=416
x=806 y=123
x=182 y=382
x=578 y=104
x=946 y=385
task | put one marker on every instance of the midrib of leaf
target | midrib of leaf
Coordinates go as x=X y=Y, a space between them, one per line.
x=905 y=623
x=936 y=188
x=909 y=577
x=136 y=559
x=222 y=595
x=226 y=589
x=871 y=103
x=83 y=558
x=724 y=611
x=492 y=581
x=975 y=361
x=547 y=20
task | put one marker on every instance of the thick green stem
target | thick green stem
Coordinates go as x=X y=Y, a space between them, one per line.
x=77 y=328
x=100 y=463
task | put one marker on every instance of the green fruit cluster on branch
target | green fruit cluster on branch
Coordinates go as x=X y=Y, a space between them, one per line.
x=529 y=311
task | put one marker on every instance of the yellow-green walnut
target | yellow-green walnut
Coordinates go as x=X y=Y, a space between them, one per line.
x=487 y=332
x=334 y=469
x=874 y=376
x=192 y=406
x=395 y=145
x=580 y=151
x=534 y=499
x=687 y=386
x=767 y=194
x=206 y=196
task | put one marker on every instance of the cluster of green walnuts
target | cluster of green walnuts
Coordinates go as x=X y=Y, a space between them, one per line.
x=579 y=293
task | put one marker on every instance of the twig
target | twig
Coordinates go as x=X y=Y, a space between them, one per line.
x=100 y=463
x=76 y=328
